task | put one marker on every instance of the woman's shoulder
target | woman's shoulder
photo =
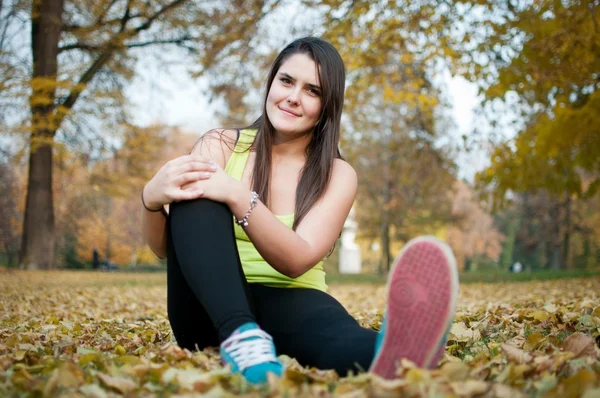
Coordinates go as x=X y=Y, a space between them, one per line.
x=227 y=136
x=341 y=166
x=217 y=144
x=343 y=173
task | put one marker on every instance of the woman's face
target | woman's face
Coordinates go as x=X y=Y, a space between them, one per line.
x=294 y=100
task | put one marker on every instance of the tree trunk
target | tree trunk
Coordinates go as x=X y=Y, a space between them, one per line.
x=108 y=251
x=385 y=223
x=556 y=242
x=37 y=248
x=567 y=234
x=385 y=245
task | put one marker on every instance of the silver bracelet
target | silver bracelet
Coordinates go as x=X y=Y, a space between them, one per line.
x=244 y=221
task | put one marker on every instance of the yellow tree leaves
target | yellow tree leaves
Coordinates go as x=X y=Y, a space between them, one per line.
x=392 y=113
x=553 y=67
x=83 y=57
x=98 y=206
x=108 y=230
x=559 y=54
x=546 y=52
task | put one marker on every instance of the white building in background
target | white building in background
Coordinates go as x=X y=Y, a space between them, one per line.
x=349 y=261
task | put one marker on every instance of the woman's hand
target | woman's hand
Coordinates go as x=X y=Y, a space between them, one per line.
x=176 y=181
x=220 y=187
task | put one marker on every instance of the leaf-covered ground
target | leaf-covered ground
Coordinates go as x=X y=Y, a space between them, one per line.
x=106 y=334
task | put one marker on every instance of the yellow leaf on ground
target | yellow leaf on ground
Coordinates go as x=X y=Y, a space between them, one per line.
x=551 y=308
x=516 y=354
x=533 y=340
x=469 y=388
x=415 y=375
x=93 y=391
x=67 y=375
x=587 y=304
x=191 y=379
x=504 y=391
x=593 y=393
x=575 y=385
x=19 y=355
x=120 y=384
x=380 y=383
x=541 y=316
x=455 y=371
x=460 y=332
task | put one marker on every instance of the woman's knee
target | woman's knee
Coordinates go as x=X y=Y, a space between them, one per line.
x=200 y=222
x=203 y=210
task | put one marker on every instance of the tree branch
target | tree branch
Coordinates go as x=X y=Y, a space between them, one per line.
x=72 y=27
x=79 y=46
x=91 y=48
x=126 y=17
x=179 y=41
x=109 y=50
x=100 y=18
x=163 y=10
x=83 y=81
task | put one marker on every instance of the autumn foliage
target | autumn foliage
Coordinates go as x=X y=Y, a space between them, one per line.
x=100 y=334
x=98 y=202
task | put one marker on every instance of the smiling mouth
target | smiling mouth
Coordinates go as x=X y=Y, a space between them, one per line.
x=289 y=112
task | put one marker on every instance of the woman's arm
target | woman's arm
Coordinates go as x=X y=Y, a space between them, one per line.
x=290 y=252
x=173 y=182
x=154 y=230
x=295 y=252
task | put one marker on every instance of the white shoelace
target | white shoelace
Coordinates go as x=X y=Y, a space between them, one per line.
x=250 y=352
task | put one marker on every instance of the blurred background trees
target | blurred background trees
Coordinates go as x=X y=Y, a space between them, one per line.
x=544 y=58
x=73 y=72
x=75 y=161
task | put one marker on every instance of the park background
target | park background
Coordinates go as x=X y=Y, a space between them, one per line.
x=473 y=120
x=476 y=121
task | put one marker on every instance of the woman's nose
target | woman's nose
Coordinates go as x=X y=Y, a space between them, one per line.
x=293 y=97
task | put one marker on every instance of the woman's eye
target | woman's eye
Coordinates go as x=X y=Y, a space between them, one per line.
x=314 y=92
x=285 y=80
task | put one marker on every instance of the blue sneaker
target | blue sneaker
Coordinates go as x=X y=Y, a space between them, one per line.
x=422 y=293
x=250 y=351
x=435 y=360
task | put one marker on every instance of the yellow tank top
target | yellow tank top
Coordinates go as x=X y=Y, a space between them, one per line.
x=256 y=269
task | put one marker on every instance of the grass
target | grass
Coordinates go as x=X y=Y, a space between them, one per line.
x=487 y=276
x=492 y=276
x=157 y=276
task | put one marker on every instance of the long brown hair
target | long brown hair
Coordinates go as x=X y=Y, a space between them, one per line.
x=323 y=148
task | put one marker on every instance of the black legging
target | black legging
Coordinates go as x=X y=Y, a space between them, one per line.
x=209 y=297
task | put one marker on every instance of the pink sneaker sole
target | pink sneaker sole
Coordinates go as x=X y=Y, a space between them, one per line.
x=422 y=293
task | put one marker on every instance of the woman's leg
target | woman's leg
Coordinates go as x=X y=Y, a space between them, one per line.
x=204 y=263
x=207 y=297
x=313 y=327
x=190 y=323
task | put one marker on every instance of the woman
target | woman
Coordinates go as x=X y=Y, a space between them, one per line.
x=284 y=184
